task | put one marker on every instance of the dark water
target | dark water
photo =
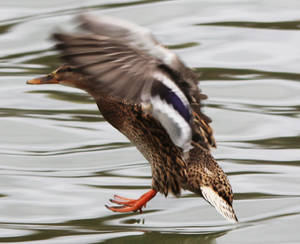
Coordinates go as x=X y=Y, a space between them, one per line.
x=60 y=161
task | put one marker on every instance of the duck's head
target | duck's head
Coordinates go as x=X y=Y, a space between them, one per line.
x=64 y=75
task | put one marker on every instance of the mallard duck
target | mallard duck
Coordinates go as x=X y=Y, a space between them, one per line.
x=146 y=92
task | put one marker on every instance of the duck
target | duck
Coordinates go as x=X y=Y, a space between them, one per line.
x=146 y=92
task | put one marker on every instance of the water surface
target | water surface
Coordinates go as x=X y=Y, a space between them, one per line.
x=60 y=161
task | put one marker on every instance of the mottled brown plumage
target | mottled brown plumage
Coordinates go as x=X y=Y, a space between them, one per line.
x=172 y=168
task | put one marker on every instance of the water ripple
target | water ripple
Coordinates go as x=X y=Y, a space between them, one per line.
x=60 y=161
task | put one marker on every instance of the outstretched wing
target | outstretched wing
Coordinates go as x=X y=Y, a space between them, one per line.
x=125 y=61
x=115 y=68
x=133 y=75
x=130 y=34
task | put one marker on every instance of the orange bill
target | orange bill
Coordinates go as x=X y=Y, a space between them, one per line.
x=47 y=79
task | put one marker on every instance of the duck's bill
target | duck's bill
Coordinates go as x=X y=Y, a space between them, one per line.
x=47 y=79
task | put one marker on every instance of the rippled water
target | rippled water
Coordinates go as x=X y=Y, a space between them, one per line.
x=60 y=161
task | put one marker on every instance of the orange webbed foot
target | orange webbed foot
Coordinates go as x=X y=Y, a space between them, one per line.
x=131 y=205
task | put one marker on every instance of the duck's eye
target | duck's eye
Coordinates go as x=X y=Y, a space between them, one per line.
x=69 y=69
x=65 y=69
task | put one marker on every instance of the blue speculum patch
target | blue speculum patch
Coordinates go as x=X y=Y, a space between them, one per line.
x=166 y=94
x=178 y=105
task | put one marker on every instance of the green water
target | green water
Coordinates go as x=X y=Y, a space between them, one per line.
x=60 y=161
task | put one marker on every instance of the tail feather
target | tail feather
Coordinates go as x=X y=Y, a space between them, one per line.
x=221 y=205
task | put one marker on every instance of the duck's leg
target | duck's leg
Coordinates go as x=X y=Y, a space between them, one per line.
x=131 y=205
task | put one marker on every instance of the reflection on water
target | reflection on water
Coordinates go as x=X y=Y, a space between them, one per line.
x=60 y=161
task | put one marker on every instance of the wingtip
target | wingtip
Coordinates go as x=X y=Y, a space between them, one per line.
x=82 y=19
x=63 y=36
x=57 y=36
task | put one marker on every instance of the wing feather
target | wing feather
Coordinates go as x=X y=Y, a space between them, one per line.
x=114 y=66
x=124 y=60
